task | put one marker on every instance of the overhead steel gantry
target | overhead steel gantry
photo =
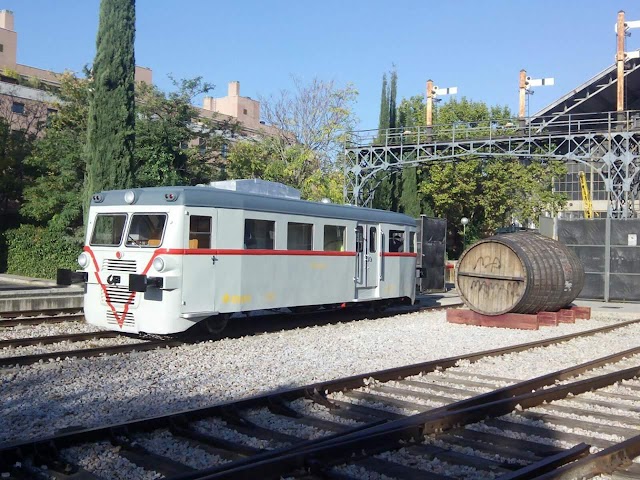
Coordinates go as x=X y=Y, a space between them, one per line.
x=607 y=142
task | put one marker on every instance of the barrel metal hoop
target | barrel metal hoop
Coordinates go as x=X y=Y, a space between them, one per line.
x=491 y=277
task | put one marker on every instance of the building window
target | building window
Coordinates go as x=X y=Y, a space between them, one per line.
x=259 y=234
x=202 y=146
x=570 y=183
x=1 y=48
x=18 y=108
x=51 y=112
x=244 y=110
x=299 y=236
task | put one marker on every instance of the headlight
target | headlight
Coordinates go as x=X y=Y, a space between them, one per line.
x=83 y=260
x=130 y=196
x=159 y=264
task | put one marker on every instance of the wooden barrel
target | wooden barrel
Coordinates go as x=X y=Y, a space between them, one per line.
x=520 y=272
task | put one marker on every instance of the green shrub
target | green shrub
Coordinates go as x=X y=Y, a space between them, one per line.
x=39 y=251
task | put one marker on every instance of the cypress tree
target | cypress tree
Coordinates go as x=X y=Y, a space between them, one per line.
x=393 y=94
x=382 y=197
x=111 y=122
x=409 y=202
x=383 y=119
x=394 y=179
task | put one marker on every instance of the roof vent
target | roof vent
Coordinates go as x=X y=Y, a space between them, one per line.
x=258 y=187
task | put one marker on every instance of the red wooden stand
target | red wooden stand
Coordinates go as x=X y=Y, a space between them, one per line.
x=519 y=320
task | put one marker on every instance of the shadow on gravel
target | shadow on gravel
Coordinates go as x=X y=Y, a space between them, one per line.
x=241 y=326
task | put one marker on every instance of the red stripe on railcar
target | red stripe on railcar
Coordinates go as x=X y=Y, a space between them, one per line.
x=219 y=251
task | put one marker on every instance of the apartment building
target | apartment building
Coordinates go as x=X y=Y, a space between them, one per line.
x=27 y=93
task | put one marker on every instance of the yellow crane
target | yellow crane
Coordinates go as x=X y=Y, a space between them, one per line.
x=587 y=206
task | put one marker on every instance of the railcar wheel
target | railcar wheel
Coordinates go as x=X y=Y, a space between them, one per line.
x=215 y=323
x=379 y=306
x=305 y=309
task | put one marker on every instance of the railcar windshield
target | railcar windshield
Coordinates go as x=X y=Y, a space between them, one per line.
x=146 y=230
x=108 y=229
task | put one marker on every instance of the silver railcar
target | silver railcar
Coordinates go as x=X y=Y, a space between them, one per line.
x=159 y=260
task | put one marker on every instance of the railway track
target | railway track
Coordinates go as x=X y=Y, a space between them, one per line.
x=37 y=317
x=242 y=327
x=142 y=345
x=359 y=425
x=12 y=319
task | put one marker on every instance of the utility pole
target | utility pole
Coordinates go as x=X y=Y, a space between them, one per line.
x=431 y=94
x=622 y=30
x=429 y=113
x=525 y=85
x=620 y=27
x=523 y=96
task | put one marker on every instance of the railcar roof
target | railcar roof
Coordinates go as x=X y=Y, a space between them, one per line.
x=218 y=198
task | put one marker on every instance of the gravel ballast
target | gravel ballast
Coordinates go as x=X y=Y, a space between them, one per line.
x=40 y=399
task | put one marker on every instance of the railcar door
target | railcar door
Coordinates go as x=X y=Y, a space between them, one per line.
x=199 y=261
x=367 y=265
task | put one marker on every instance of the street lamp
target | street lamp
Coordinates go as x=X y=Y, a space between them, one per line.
x=464 y=221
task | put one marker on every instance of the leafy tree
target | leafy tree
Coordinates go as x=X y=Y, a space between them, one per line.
x=324 y=184
x=249 y=159
x=15 y=145
x=51 y=232
x=111 y=123
x=411 y=112
x=55 y=195
x=492 y=192
x=316 y=116
x=175 y=145
x=263 y=159
x=18 y=133
x=305 y=153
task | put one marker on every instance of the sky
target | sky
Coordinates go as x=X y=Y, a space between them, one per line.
x=478 y=46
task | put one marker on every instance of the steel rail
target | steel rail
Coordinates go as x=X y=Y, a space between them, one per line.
x=605 y=461
x=89 y=352
x=13 y=451
x=37 y=320
x=46 y=340
x=409 y=430
x=169 y=341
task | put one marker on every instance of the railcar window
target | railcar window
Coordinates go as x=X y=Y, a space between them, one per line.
x=146 y=230
x=259 y=234
x=299 y=236
x=396 y=241
x=359 y=239
x=108 y=229
x=199 y=232
x=334 y=238
x=372 y=239
x=412 y=242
